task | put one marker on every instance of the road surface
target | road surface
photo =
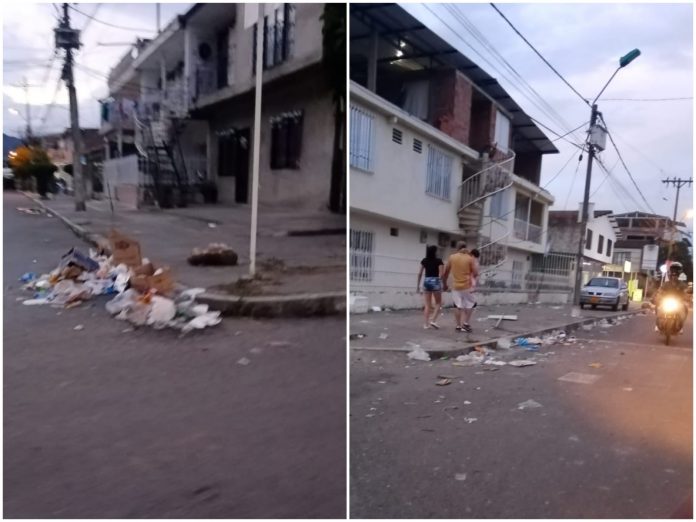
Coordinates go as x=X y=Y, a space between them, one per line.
x=617 y=446
x=99 y=423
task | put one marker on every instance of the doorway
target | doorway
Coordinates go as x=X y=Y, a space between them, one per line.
x=233 y=161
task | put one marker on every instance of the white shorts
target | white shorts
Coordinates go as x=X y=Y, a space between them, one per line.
x=463 y=298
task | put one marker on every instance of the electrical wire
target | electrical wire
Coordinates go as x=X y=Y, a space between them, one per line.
x=108 y=24
x=539 y=54
x=611 y=139
x=606 y=175
x=572 y=184
x=562 y=169
x=647 y=99
x=566 y=134
x=457 y=35
x=486 y=44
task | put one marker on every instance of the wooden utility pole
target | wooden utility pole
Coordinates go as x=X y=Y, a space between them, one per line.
x=68 y=38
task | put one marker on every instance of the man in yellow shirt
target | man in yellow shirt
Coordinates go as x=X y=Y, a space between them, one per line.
x=464 y=269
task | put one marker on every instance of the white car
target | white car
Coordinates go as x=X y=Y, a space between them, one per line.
x=605 y=291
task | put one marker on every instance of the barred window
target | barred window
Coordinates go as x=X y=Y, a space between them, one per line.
x=438 y=175
x=361 y=255
x=278 y=37
x=362 y=139
x=286 y=140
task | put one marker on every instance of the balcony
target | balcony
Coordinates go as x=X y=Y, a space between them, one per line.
x=527 y=231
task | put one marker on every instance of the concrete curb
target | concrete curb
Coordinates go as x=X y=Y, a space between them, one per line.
x=94 y=239
x=298 y=305
x=464 y=349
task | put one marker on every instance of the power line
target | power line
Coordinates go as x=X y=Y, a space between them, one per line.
x=624 y=165
x=561 y=169
x=91 y=18
x=606 y=175
x=540 y=55
x=108 y=24
x=575 y=129
x=575 y=175
x=481 y=38
x=647 y=99
x=560 y=136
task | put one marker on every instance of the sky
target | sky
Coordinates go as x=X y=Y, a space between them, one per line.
x=584 y=43
x=28 y=48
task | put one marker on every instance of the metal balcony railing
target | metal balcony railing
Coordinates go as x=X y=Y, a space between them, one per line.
x=527 y=231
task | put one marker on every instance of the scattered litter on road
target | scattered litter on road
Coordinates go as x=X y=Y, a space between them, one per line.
x=32 y=211
x=79 y=327
x=443 y=382
x=628 y=389
x=588 y=327
x=522 y=363
x=282 y=344
x=418 y=354
x=215 y=254
x=504 y=343
x=212 y=225
x=243 y=361
x=376 y=309
x=528 y=404
x=575 y=312
x=595 y=365
x=495 y=362
x=460 y=476
x=128 y=330
x=471 y=359
x=353 y=337
x=467 y=402
x=579 y=378
x=469 y=420
x=256 y=350
x=574 y=438
x=531 y=344
x=384 y=335
x=605 y=324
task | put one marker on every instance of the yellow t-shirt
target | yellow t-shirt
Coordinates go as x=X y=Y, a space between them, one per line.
x=461 y=268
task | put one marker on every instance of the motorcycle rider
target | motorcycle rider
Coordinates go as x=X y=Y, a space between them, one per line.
x=676 y=287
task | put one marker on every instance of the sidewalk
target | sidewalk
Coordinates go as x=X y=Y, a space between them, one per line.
x=167 y=237
x=400 y=331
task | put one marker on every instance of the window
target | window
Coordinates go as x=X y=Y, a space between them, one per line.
x=588 y=240
x=417 y=146
x=502 y=131
x=600 y=244
x=361 y=255
x=517 y=272
x=362 y=139
x=498 y=204
x=620 y=257
x=397 y=136
x=423 y=236
x=394 y=232
x=439 y=172
x=278 y=37
x=609 y=245
x=604 y=282
x=286 y=140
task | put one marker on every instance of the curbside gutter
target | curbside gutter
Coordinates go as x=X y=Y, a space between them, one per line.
x=298 y=305
x=464 y=349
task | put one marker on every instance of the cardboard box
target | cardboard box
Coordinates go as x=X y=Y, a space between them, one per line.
x=125 y=250
x=162 y=283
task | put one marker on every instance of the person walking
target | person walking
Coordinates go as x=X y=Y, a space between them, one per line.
x=432 y=286
x=463 y=268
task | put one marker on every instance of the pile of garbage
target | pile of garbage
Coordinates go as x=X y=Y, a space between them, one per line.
x=142 y=294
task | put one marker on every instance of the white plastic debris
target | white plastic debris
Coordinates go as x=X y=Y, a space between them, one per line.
x=79 y=327
x=122 y=302
x=376 y=309
x=35 y=302
x=243 y=361
x=202 y=321
x=162 y=311
x=504 y=343
x=522 y=362
x=587 y=327
x=495 y=362
x=460 y=476
x=469 y=420
x=191 y=293
x=529 y=404
x=471 y=359
x=418 y=354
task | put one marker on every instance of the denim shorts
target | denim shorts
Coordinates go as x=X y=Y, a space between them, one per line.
x=432 y=284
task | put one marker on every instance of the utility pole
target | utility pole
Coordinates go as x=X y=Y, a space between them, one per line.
x=585 y=205
x=68 y=38
x=256 y=140
x=27 y=107
x=679 y=183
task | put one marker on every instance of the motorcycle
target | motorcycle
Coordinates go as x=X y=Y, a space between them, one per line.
x=670 y=320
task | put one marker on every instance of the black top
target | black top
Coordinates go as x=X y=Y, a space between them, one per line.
x=432 y=266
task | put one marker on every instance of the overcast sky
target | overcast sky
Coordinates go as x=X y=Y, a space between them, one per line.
x=28 y=47
x=584 y=43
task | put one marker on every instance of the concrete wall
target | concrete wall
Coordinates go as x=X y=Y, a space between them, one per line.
x=307 y=187
x=565 y=236
x=397 y=186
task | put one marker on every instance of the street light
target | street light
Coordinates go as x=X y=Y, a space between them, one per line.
x=595 y=136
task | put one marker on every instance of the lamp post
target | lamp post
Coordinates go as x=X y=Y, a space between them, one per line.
x=596 y=134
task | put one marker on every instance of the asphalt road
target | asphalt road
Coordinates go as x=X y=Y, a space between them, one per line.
x=618 y=447
x=101 y=423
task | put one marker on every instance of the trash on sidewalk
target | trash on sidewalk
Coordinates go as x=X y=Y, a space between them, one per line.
x=522 y=362
x=528 y=404
x=530 y=344
x=494 y=362
x=443 y=382
x=32 y=211
x=384 y=335
x=595 y=365
x=215 y=254
x=471 y=359
x=504 y=343
x=142 y=293
x=418 y=354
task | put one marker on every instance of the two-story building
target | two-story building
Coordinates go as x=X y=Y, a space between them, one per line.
x=195 y=102
x=438 y=152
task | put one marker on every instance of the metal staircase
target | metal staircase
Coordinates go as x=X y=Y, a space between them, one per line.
x=156 y=144
x=473 y=192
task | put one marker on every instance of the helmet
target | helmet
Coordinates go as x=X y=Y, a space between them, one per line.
x=675 y=268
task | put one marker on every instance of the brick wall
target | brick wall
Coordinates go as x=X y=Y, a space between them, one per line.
x=451 y=104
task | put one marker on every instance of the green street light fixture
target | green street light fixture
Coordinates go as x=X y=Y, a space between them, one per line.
x=597 y=133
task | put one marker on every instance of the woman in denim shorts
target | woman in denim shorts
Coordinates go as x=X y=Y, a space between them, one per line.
x=432 y=266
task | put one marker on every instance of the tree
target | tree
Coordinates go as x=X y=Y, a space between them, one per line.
x=32 y=162
x=334 y=61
